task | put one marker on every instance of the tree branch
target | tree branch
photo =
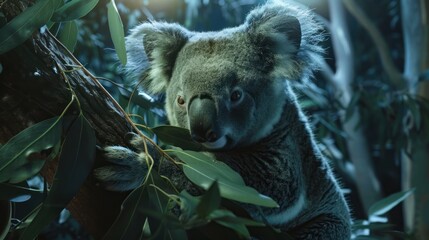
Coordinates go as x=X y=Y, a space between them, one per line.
x=368 y=184
x=394 y=75
x=33 y=88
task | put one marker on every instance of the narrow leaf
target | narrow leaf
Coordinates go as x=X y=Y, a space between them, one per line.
x=176 y=136
x=116 y=31
x=210 y=201
x=5 y=218
x=203 y=173
x=33 y=166
x=68 y=35
x=223 y=218
x=10 y=192
x=75 y=163
x=228 y=216
x=188 y=205
x=130 y=223
x=386 y=204
x=14 y=154
x=21 y=27
x=415 y=111
x=73 y=9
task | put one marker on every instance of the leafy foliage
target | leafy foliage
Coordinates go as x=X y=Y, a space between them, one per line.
x=15 y=162
x=391 y=119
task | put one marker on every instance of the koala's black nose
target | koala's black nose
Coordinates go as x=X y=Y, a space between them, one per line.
x=202 y=120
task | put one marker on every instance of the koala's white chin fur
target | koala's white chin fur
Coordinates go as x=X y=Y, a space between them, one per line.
x=220 y=143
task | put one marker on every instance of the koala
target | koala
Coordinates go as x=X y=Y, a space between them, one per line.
x=232 y=90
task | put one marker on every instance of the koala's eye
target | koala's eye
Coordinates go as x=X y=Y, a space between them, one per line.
x=180 y=100
x=236 y=95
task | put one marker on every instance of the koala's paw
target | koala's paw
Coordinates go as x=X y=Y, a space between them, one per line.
x=128 y=170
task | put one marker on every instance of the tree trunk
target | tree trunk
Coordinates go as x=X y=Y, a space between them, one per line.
x=416 y=170
x=368 y=184
x=33 y=87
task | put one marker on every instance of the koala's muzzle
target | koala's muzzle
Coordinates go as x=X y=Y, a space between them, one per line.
x=203 y=119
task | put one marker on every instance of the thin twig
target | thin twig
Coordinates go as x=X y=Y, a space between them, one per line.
x=386 y=60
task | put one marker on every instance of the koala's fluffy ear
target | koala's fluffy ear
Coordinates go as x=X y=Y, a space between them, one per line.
x=152 y=49
x=283 y=30
x=289 y=34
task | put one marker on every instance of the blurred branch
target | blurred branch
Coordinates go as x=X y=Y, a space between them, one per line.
x=414 y=170
x=386 y=60
x=368 y=184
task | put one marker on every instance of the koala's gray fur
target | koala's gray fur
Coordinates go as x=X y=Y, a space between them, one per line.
x=231 y=90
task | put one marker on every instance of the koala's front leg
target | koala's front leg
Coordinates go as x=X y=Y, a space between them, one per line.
x=129 y=168
x=323 y=227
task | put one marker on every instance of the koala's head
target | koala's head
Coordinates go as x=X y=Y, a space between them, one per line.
x=227 y=87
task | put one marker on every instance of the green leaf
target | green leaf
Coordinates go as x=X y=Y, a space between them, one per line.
x=33 y=166
x=386 y=204
x=351 y=108
x=117 y=31
x=203 y=171
x=372 y=226
x=73 y=9
x=210 y=201
x=228 y=216
x=229 y=220
x=20 y=28
x=130 y=223
x=68 y=35
x=14 y=154
x=188 y=205
x=177 y=136
x=75 y=163
x=10 y=192
x=5 y=218
x=415 y=111
x=332 y=127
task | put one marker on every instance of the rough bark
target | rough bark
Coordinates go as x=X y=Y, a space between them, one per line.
x=33 y=87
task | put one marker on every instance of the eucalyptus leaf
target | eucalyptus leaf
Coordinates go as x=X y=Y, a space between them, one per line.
x=5 y=218
x=366 y=238
x=332 y=127
x=203 y=171
x=223 y=217
x=75 y=163
x=20 y=28
x=73 y=9
x=176 y=136
x=68 y=35
x=117 y=31
x=415 y=111
x=228 y=216
x=372 y=226
x=351 y=108
x=188 y=205
x=14 y=154
x=130 y=224
x=11 y=192
x=210 y=201
x=386 y=204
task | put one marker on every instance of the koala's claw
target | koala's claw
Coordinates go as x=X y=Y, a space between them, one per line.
x=121 y=155
x=129 y=169
x=118 y=178
x=138 y=142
